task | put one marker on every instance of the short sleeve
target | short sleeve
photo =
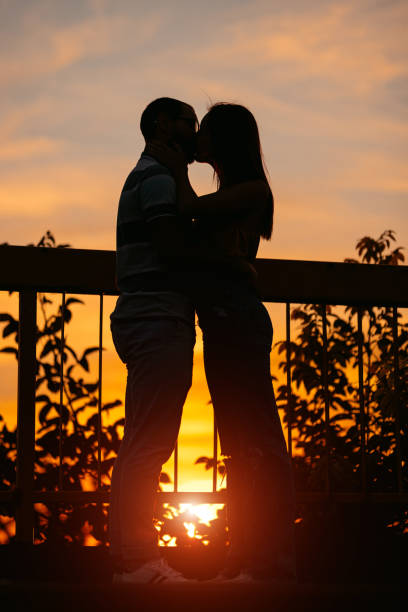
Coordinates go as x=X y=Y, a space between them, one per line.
x=158 y=197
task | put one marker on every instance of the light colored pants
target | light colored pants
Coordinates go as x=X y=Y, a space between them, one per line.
x=158 y=354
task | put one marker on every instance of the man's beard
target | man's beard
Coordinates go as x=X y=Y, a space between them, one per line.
x=190 y=153
x=189 y=150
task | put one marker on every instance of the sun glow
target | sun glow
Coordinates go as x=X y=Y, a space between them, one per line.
x=193 y=515
x=190 y=528
x=168 y=541
x=204 y=512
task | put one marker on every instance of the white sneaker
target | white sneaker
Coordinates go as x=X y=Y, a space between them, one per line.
x=152 y=572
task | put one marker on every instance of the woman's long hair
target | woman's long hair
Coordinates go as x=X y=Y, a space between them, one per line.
x=236 y=151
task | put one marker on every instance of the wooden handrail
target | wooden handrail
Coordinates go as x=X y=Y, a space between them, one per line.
x=279 y=280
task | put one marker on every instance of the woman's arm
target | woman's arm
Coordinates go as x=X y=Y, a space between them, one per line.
x=243 y=196
x=250 y=195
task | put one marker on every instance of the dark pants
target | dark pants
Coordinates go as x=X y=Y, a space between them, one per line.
x=158 y=354
x=237 y=336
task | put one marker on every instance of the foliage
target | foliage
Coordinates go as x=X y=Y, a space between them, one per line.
x=74 y=421
x=335 y=449
x=72 y=411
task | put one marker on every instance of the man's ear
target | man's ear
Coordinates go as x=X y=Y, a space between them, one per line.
x=163 y=125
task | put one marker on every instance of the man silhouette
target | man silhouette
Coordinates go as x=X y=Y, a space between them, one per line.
x=154 y=334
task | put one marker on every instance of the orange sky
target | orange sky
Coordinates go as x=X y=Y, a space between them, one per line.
x=325 y=80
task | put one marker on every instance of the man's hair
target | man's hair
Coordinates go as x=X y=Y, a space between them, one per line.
x=169 y=106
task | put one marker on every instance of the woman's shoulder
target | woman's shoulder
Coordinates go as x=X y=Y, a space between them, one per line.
x=256 y=189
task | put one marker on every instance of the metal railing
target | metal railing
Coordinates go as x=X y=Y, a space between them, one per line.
x=30 y=270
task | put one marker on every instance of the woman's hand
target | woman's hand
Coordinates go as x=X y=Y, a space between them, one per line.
x=173 y=158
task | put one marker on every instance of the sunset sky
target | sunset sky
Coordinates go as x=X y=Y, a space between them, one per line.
x=326 y=81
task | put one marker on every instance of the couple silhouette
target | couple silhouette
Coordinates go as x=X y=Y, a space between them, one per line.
x=179 y=254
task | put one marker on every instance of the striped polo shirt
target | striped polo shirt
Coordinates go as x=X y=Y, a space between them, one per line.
x=142 y=276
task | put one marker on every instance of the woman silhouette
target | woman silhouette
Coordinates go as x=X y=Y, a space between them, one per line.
x=237 y=340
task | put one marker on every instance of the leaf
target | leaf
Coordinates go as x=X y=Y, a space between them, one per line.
x=71 y=350
x=11 y=328
x=90 y=350
x=93 y=421
x=42 y=398
x=48 y=347
x=67 y=315
x=91 y=386
x=73 y=301
x=53 y=386
x=84 y=364
x=6 y=317
x=201 y=460
x=112 y=404
x=42 y=415
x=45 y=300
x=10 y=349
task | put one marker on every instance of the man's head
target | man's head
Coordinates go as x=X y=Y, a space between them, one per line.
x=171 y=121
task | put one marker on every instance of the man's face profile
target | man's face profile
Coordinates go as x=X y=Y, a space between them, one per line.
x=180 y=129
x=185 y=132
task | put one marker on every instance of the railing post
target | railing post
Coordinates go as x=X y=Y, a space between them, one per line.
x=326 y=399
x=26 y=415
x=289 y=381
x=362 y=400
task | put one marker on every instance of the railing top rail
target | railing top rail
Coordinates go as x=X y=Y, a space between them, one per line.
x=279 y=280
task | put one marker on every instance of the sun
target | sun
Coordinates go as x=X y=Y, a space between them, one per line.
x=193 y=514
x=204 y=512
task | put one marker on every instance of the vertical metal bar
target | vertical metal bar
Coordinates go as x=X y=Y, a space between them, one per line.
x=175 y=489
x=215 y=455
x=100 y=387
x=289 y=379
x=61 y=398
x=397 y=421
x=361 y=401
x=27 y=368
x=326 y=399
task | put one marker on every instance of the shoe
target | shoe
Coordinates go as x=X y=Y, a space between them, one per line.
x=232 y=567
x=224 y=576
x=153 y=572
x=244 y=577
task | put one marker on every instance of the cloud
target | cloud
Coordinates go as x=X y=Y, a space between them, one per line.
x=338 y=43
x=42 y=50
x=325 y=81
x=376 y=171
x=55 y=187
x=28 y=148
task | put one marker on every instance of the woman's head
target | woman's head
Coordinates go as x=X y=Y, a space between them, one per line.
x=229 y=140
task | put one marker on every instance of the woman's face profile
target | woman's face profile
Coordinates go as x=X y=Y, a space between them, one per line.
x=203 y=152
